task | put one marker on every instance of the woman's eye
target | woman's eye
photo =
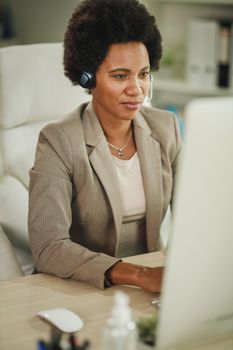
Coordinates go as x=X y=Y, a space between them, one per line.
x=120 y=76
x=144 y=75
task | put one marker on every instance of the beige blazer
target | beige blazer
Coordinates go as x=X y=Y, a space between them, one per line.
x=75 y=209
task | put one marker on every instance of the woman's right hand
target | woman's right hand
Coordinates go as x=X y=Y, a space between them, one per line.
x=148 y=278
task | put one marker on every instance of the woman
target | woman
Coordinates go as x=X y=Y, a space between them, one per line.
x=103 y=176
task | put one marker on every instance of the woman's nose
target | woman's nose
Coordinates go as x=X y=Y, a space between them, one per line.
x=134 y=88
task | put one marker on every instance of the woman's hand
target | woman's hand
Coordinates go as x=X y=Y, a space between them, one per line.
x=148 y=278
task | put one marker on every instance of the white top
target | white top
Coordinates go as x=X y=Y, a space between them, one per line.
x=132 y=240
x=131 y=186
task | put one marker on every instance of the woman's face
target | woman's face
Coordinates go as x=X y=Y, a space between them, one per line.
x=122 y=82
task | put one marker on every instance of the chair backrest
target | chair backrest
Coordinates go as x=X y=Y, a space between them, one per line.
x=33 y=91
x=9 y=266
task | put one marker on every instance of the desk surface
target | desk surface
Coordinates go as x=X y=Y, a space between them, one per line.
x=23 y=297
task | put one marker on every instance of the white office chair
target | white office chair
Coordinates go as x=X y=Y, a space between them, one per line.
x=33 y=91
x=9 y=265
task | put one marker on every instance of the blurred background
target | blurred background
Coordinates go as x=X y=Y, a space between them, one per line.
x=32 y=21
x=197 y=62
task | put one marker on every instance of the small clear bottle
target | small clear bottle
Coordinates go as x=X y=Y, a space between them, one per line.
x=120 y=332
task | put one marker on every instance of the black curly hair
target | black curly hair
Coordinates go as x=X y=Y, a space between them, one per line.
x=97 y=24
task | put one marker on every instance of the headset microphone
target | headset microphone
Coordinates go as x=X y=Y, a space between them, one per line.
x=151 y=89
x=87 y=80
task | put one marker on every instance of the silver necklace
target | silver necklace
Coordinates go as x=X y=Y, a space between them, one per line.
x=120 y=150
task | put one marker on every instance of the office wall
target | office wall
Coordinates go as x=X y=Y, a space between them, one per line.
x=40 y=20
x=46 y=20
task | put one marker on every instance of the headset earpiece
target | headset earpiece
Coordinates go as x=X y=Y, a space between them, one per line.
x=149 y=98
x=87 y=80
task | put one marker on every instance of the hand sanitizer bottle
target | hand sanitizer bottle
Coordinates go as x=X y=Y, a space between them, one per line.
x=120 y=332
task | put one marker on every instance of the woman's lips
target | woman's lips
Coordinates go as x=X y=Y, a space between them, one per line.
x=132 y=105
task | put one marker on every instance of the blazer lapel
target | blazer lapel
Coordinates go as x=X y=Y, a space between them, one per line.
x=149 y=154
x=101 y=159
x=150 y=161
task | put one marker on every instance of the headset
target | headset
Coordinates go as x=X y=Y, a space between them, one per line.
x=87 y=80
x=149 y=98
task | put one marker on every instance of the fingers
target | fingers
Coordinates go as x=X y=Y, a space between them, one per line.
x=148 y=278
x=151 y=279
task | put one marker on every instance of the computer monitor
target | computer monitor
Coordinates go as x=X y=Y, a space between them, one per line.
x=197 y=292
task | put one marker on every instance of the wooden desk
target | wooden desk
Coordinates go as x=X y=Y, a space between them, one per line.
x=23 y=297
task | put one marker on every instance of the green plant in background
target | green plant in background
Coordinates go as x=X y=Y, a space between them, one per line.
x=146 y=329
x=168 y=58
x=167 y=64
x=173 y=62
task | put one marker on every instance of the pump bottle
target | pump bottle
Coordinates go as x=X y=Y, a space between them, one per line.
x=120 y=332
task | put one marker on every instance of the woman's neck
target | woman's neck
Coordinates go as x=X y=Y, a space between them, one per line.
x=114 y=128
x=117 y=132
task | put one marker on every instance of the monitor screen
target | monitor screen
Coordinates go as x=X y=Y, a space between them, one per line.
x=197 y=293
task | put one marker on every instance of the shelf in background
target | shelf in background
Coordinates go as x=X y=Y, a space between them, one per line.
x=185 y=88
x=197 y=2
x=8 y=42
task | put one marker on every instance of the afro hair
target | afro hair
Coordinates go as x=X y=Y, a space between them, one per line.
x=97 y=24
